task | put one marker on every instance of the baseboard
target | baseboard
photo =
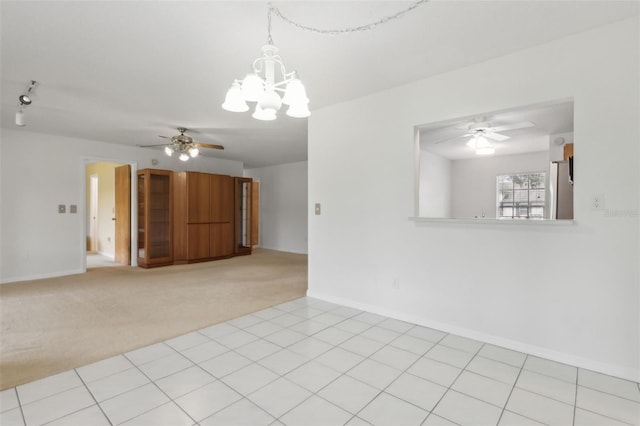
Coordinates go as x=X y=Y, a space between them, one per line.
x=542 y=352
x=109 y=255
x=41 y=276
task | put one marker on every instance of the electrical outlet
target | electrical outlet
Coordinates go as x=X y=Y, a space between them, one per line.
x=62 y=208
x=73 y=208
x=597 y=202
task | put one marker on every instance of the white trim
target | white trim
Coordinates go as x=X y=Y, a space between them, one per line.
x=589 y=364
x=43 y=276
x=491 y=221
x=86 y=160
x=109 y=255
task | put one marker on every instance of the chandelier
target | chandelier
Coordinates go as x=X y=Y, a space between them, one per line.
x=269 y=77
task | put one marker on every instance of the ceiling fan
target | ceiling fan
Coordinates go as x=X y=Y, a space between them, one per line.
x=183 y=145
x=481 y=127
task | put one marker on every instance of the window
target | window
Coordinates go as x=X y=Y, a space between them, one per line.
x=521 y=196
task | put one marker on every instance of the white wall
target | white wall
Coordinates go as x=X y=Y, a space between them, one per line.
x=583 y=306
x=283 y=206
x=556 y=152
x=435 y=185
x=38 y=172
x=474 y=181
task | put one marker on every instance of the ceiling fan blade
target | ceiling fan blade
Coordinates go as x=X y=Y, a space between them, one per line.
x=514 y=126
x=151 y=146
x=164 y=137
x=496 y=136
x=208 y=145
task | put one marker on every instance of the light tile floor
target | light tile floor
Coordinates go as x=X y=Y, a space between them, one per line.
x=309 y=362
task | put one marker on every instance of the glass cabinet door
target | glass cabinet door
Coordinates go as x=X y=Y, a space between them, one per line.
x=154 y=218
x=159 y=225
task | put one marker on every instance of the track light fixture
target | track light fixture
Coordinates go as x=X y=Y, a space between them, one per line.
x=24 y=100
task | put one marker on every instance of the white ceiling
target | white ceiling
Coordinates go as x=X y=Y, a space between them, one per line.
x=125 y=72
x=447 y=138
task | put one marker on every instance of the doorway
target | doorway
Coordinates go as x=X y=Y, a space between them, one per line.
x=92 y=237
x=108 y=213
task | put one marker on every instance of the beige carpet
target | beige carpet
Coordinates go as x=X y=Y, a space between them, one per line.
x=53 y=325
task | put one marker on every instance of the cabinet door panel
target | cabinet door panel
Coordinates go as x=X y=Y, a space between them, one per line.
x=198 y=247
x=198 y=187
x=221 y=239
x=221 y=198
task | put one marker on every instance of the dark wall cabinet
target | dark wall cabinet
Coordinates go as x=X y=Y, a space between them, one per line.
x=203 y=221
x=186 y=217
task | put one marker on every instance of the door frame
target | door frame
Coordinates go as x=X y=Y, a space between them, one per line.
x=85 y=161
x=94 y=201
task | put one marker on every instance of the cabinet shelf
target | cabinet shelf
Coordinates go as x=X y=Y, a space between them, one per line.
x=154 y=218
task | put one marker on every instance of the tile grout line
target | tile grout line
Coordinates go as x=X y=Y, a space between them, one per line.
x=455 y=380
x=383 y=390
x=575 y=400
x=160 y=389
x=504 y=408
x=24 y=420
x=334 y=346
x=92 y=396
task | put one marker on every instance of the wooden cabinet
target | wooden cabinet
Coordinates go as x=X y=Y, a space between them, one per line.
x=567 y=151
x=154 y=218
x=203 y=219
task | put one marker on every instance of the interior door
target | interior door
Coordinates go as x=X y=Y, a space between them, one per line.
x=123 y=214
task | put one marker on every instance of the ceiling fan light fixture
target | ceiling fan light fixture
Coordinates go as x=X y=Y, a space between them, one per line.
x=184 y=156
x=193 y=152
x=168 y=151
x=485 y=151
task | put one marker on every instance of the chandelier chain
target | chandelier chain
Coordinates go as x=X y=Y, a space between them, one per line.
x=269 y=39
x=365 y=27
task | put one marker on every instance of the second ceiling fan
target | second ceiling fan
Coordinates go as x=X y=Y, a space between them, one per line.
x=184 y=145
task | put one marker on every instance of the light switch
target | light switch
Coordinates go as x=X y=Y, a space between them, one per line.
x=318 y=209
x=61 y=208
x=73 y=208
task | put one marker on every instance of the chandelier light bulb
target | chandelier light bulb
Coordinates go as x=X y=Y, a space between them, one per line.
x=168 y=151
x=193 y=152
x=270 y=102
x=295 y=93
x=300 y=110
x=260 y=114
x=252 y=87
x=183 y=157
x=234 y=100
